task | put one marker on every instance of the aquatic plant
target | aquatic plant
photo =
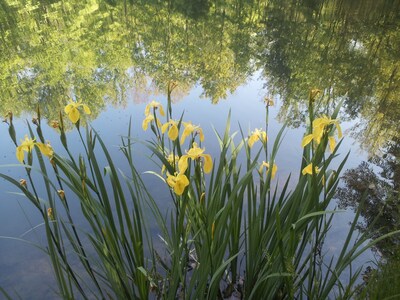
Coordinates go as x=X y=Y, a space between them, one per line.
x=232 y=229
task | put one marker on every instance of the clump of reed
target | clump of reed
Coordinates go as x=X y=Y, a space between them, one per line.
x=233 y=229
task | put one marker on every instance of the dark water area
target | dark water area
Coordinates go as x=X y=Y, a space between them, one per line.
x=211 y=57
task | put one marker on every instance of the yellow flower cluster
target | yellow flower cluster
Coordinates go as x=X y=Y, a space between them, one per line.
x=178 y=181
x=28 y=144
x=319 y=126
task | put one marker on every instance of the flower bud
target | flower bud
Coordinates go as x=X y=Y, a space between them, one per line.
x=61 y=193
x=50 y=213
x=54 y=124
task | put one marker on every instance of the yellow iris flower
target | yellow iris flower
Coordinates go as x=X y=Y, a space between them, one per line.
x=154 y=105
x=266 y=165
x=72 y=110
x=319 y=126
x=256 y=135
x=195 y=153
x=27 y=146
x=173 y=131
x=189 y=128
x=147 y=120
x=309 y=169
x=178 y=182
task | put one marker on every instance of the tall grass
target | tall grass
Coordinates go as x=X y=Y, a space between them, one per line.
x=233 y=228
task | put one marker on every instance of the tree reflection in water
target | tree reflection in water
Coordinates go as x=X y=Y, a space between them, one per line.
x=381 y=210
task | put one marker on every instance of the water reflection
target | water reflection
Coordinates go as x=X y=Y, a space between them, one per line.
x=381 y=209
x=102 y=51
x=349 y=49
x=110 y=52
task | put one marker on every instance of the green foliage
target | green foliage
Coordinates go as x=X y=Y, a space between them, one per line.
x=383 y=283
x=110 y=262
x=232 y=231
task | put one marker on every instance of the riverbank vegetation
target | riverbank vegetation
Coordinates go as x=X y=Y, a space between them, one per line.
x=233 y=229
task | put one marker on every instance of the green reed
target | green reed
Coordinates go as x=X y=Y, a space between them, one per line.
x=233 y=227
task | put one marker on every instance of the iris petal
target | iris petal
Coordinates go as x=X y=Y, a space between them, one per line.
x=164 y=127
x=68 y=108
x=186 y=132
x=252 y=139
x=306 y=140
x=146 y=121
x=20 y=154
x=173 y=132
x=201 y=135
x=161 y=110
x=208 y=163
x=332 y=143
x=74 y=115
x=45 y=149
x=183 y=163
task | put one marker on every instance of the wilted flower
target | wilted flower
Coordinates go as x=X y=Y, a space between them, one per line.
x=178 y=182
x=61 y=193
x=173 y=131
x=195 y=153
x=309 y=169
x=50 y=213
x=256 y=135
x=189 y=128
x=9 y=116
x=266 y=165
x=72 y=110
x=314 y=93
x=268 y=101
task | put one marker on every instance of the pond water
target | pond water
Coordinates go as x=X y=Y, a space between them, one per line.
x=212 y=57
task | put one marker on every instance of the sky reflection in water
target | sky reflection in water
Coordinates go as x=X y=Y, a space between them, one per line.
x=20 y=261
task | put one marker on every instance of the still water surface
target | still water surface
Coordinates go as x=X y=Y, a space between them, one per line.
x=212 y=57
